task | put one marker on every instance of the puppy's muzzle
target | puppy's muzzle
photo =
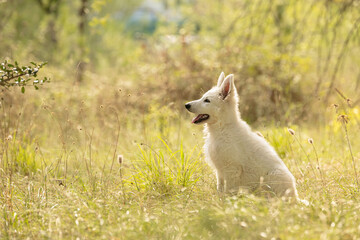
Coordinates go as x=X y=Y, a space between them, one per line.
x=188 y=106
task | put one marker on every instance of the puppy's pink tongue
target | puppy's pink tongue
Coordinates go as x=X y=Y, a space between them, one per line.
x=197 y=118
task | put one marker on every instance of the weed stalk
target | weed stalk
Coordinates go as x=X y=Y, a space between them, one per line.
x=292 y=132
x=344 y=120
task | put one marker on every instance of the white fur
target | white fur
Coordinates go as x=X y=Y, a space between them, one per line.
x=241 y=158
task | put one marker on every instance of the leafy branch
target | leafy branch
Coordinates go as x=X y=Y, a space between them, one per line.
x=15 y=75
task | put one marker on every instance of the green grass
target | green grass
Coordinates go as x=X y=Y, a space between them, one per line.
x=61 y=178
x=60 y=147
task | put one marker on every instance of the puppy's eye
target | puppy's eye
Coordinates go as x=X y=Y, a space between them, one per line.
x=207 y=100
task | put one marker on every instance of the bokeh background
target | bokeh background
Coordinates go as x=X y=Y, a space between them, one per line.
x=287 y=56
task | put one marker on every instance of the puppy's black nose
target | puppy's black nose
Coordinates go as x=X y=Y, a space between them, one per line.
x=188 y=105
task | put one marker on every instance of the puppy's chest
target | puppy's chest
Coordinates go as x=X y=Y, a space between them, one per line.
x=223 y=153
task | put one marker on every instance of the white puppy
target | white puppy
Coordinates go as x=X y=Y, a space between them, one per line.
x=240 y=157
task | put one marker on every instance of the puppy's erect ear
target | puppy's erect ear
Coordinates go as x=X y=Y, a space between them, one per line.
x=227 y=86
x=221 y=79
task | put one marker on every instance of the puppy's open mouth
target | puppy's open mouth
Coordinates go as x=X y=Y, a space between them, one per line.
x=200 y=118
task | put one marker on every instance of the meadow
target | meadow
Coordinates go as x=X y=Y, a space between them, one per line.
x=84 y=169
x=106 y=149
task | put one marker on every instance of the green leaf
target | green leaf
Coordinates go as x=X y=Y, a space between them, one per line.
x=23 y=89
x=36 y=87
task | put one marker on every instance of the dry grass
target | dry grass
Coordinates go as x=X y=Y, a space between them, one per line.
x=61 y=177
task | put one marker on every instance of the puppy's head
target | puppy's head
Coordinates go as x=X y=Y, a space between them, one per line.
x=210 y=107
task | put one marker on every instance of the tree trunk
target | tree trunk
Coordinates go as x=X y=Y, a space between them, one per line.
x=82 y=36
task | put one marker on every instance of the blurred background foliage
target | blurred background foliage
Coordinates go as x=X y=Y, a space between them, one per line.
x=288 y=56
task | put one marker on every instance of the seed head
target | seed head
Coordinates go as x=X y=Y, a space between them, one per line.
x=348 y=101
x=311 y=141
x=292 y=132
x=120 y=158
x=259 y=134
x=344 y=119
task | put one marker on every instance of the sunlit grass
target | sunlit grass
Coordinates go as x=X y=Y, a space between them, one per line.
x=115 y=156
x=107 y=172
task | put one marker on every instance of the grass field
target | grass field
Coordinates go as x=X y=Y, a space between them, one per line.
x=87 y=166
x=106 y=149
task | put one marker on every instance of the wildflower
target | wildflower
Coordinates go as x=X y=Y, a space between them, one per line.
x=292 y=132
x=9 y=138
x=120 y=158
x=310 y=140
